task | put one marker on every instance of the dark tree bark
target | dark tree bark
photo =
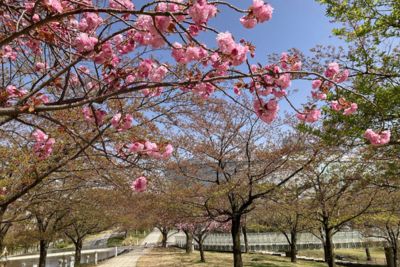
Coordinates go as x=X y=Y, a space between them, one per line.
x=78 y=252
x=189 y=242
x=328 y=247
x=246 y=242
x=389 y=257
x=43 y=246
x=368 y=253
x=201 y=250
x=3 y=227
x=395 y=254
x=164 y=232
x=293 y=246
x=235 y=231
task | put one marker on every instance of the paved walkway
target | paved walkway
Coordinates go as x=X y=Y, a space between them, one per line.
x=130 y=259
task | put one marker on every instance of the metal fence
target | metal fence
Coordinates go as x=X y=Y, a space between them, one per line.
x=65 y=258
x=278 y=242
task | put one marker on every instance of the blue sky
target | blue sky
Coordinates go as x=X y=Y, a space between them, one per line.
x=295 y=23
x=298 y=24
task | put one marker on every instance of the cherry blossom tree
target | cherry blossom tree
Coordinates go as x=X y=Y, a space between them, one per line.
x=236 y=160
x=83 y=78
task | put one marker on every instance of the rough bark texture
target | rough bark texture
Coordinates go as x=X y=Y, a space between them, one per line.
x=395 y=255
x=368 y=253
x=293 y=246
x=43 y=246
x=78 y=252
x=164 y=238
x=389 y=257
x=189 y=242
x=237 y=252
x=246 y=242
x=201 y=249
x=328 y=248
x=3 y=227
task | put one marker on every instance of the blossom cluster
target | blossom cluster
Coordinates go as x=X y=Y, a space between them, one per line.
x=43 y=144
x=139 y=184
x=151 y=149
x=258 y=12
x=377 y=139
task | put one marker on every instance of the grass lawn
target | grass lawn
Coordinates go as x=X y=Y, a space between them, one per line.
x=354 y=254
x=174 y=257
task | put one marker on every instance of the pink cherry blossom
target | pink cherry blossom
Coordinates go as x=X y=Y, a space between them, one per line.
x=204 y=89
x=39 y=135
x=336 y=106
x=149 y=146
x=40 y=66
x=13 y=92
x=168 y=151
x=136 y=147
x=266 y=112
x=140 y=184
x=283 y=81
x=201 y=11
x=194 y=30
x=43 y=144
x=145 y=67
x=130 y=79
x=225 y=42
x=122 y=123
x=89 y=22
x=29 y=6
x=262 y=11
x=54 y=5
x=98 y=118
x=158 y=74
x=105 y=55
x=8 y=52
x=248 y=22
x=35 y=18
x=236 y=90
x=227 y=46
x=377 y=139
x=342 y=76
x=316 y=84
x=40 y=99
x=179 y=53
x=238 y=54
x=84 y=43
x=297 y=66
x=318 y=95
x=332 y=70
x=350 y=110
x=122 y=4
x=310 y=116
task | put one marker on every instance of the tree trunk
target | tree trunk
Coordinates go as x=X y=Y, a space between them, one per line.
x=189 y=242
x=293 y=246
x=237 y=252
x=43 y=246
x=164 y=238
x=389 y=257
x=78 y=252
x=328 y=248
x=395 y=254
x=368 y=253
x=201 y=249
x=3 y=227
x=246 y=242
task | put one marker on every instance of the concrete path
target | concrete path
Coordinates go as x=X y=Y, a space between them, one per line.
x=130 y=259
